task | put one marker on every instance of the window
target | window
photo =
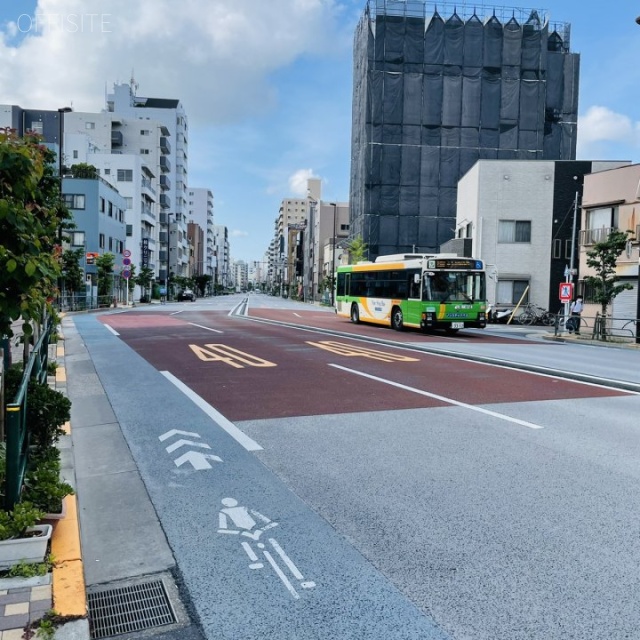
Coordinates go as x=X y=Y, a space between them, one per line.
x=510 y=231
x=36 y=127
x=145 y=132
x=110 y=243
x=74 y=200
x=129 y=203
x=144 y=152
x=101 y=240
x=77 y=238
x=599 y=224
x=129 y=230
x=557 y=248
x=75 y=154
x=107 y=172
x=125 y=175
x=101 y=204
x=510 y=291
x=89 y=125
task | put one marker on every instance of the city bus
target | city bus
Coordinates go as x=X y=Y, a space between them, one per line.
x=440 y=291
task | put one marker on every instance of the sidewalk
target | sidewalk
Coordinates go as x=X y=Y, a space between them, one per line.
x=24 y=601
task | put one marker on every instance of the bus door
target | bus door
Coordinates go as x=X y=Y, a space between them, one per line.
x=414 y=307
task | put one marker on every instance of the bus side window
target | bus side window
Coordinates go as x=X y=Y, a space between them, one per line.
x=414 y=288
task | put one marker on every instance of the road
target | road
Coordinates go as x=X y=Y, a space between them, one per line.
x=331 y=480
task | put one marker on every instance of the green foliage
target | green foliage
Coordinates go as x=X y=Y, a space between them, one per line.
x=357 y=250
x=143 y=280
x=30 y=569
x=14 y=523
x=47 y=409
x=602 y=257
x=43 y=487
x=72 y=273
x=104 y=264
x=32 y=219
x=84 y=170
x=201 y=283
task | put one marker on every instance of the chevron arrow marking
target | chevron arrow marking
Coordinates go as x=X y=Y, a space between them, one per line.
x=197 y=459
x=182 y=443
x=177 y=432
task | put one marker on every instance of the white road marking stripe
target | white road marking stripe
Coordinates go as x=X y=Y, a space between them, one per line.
x=471 y=407
x=175 y=313
x=207 y=328
x=241 y=438
x=115 y=333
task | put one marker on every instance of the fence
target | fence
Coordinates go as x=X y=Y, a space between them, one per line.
x=15 y=414
x=603 y=327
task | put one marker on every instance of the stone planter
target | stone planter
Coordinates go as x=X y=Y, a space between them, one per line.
x=29 y=549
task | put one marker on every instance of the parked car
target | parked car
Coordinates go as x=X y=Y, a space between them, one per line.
x=187 y=294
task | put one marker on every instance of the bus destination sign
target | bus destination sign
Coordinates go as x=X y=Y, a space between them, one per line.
x=455 y=263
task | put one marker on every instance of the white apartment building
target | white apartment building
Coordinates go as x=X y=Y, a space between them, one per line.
x=200 y=211
x=173 y=161
x=223 y=275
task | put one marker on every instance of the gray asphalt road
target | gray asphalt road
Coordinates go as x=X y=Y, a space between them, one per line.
x=425 y=523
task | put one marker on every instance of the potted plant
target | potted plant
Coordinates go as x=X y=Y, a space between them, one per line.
x=21 y=539
x=43 y=487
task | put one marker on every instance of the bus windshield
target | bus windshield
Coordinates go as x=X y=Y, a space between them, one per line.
x=451 y=286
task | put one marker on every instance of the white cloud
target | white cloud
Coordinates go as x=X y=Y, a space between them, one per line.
x=298 y=182
x=238 y=233
x=216 y=57
x=601 y=124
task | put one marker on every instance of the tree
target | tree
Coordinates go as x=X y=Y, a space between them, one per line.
x=32 y=220
x=201 y=283
x=357 y=250
x=602 y=257
x=143 y=280
x=104 y=265
x=72 y=273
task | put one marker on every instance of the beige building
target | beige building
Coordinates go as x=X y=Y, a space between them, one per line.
x=611 y=200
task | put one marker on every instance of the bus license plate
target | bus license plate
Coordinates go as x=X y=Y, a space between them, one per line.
x=457 y=325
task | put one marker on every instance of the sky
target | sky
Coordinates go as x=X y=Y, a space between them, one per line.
x=267 y=86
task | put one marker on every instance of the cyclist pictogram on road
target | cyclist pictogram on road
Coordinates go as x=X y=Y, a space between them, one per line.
x=234 y=519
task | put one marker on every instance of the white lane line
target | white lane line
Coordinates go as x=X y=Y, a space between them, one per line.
x=297 y=315
x=175 y=313
x=207 y=328
x=115 y=333
x=471 y=407
x=241 y=438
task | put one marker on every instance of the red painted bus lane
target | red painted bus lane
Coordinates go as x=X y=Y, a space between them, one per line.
x=257 y=371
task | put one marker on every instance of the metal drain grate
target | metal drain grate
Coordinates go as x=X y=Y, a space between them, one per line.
x=127 y=609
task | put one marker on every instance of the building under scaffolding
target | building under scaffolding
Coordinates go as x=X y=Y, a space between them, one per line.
x=435 y=90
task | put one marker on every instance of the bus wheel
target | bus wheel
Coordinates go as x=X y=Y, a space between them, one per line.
x=397 y=321
x=355 y=314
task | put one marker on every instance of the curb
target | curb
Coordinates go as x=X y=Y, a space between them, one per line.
x=69 y=597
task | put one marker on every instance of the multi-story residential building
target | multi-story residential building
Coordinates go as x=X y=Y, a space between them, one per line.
x=611 y=201
x=99 y=219
x=200 y=211
x=519 y=217
x=240 y=275
x=436 y=90
x=223 y=276
x=172 y=158
x=197 y=248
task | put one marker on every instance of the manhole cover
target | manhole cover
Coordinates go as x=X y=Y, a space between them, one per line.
x=131 y=608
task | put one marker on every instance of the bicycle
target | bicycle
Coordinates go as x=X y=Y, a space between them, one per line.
x=533 y=314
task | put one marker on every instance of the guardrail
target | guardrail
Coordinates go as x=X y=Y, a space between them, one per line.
x=601 y=327
x=15 y=414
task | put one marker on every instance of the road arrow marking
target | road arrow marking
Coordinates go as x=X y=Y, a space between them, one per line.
x=182 y=443
x=176 y=432
x=198 y=460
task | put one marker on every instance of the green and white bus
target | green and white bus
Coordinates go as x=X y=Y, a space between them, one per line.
x=440 y=291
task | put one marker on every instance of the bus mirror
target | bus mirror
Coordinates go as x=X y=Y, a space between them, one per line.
x=416 y=278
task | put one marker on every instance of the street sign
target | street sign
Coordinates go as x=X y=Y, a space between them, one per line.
x=126 y=274
x=126 y=253
x=566 y=291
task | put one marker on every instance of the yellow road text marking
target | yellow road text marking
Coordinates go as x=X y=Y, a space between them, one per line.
x=229 y=355
x=349 y=350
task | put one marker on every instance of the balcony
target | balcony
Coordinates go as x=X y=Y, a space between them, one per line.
x=165 y=201
x=117 y=138
x=591 y=236
x=165 y=182
x=165 y=145
x=165 y=164
x=148 y=216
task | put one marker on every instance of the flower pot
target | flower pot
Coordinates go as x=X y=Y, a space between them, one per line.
x=52 y=518
x=32 y=548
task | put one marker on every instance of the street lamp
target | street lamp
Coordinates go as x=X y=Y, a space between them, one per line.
x=333 y=254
